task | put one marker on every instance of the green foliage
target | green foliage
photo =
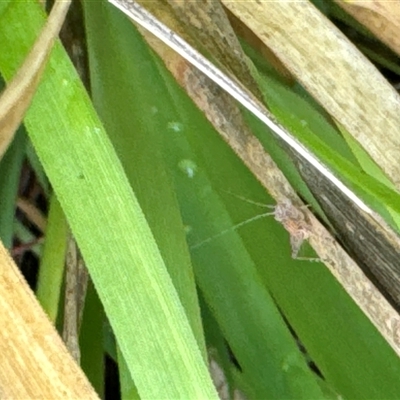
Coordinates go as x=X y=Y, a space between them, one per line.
x=121 y=254
x=144 y=255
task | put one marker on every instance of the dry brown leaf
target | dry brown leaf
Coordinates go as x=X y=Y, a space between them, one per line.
x=34 y=362
x=76 y=280
x=347 y=85
x=17 y=96
x=246 y=33
x=382 y=18
x=208 y=25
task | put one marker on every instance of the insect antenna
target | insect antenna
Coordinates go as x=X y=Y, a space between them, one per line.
x=232 y=228
x=256 y=203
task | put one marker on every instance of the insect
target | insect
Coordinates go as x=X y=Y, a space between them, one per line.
x=294 y=221
x=286 y=213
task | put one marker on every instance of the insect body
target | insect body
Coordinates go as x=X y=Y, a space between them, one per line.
x=294 y=221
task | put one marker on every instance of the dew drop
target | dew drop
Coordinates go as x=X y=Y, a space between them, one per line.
x=188 y=167
x=175 y=126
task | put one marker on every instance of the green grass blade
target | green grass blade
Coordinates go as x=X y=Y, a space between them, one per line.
x=91 y=341
x=225 y=273
x=138 y=148
x=51 y=272
x=10 y=171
